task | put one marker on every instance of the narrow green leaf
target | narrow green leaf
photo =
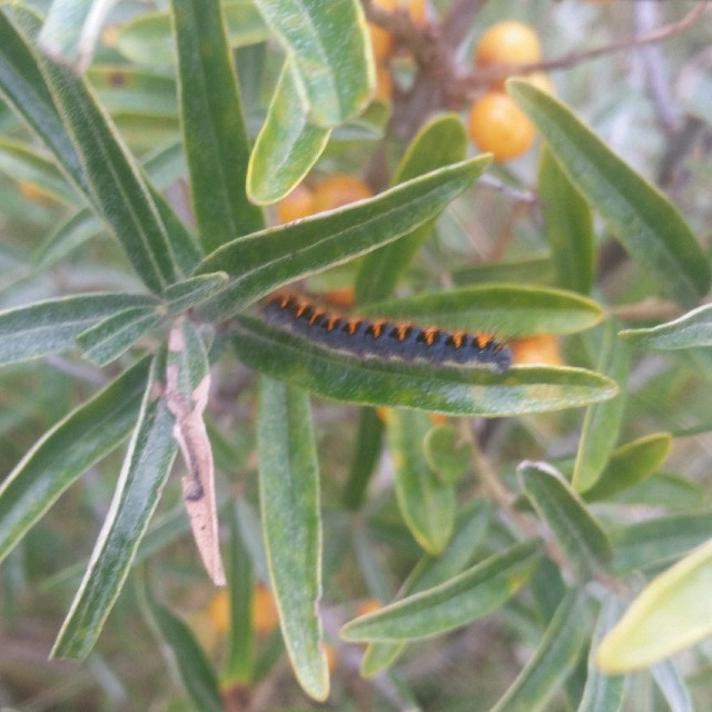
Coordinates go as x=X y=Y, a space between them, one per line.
x=291 y=525
x=71 y=30
x=472 y=594
x=240 y=645
x=440 y=142
x=73 y=445
x=261 y=262
x=602 y=422
x=472 y=525
x=656 y=541
x=641 y=217
x=113 y=336
x=147 y=40
x=287 y=145
x=532 y=270
x=553 y=660
x=121 y=193
x=329 y=47
x=664 y=489
x=24 y=87
x=447 y=389
x=47 y=327
x=190 y=292
x=579 y=535
x=504 y=309
x=426 y=504
x=568 y=225
x=214 y=132
x=143 y=475
x=673 y=612
x=23 y=163
x=184 y=653
x=630 y=464
x=447 y=453
x=603 y=693
x=689 y=331
x=367 y=451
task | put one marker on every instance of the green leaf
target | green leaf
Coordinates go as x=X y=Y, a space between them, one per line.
x=291 y=525
x=689 y=331
x=73 y=445
x=504 y=309
x=439 y=143
x=264 y=261
x=193 y=291
x=448 y=455
x=113 y=336
x=144 y=473
x=121 y=193
x=602 y=422
x=183 y=651
x=447 y=389
x=329 y=48
x=579 y=535
x=24 y=87
x=657 y=541
x=147 y=40
x=568 y=225
x=22 y=163
x=287 y=145
x=630 y=464
x=214 y=132
x=603 y=693
x=365 y=458
x=47 y=327
x=240 y=645
x=532 y=270
x=673 y=612
x=71 y=31
x=664 y=489
x=553 y=660
x=426 y=504
x=642 y=218
x=430 y=571
x=472 y=594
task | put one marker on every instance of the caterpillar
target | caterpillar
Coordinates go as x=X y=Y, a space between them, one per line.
x=381 y=338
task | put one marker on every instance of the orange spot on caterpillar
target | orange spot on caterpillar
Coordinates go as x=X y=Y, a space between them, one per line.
x=376 y=328
x=332 y=322
x=429 y=335
x=457 y=339
x=352 y=326
x=318 y=313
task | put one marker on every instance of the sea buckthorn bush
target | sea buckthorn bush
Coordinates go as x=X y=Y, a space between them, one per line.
x=355 y=356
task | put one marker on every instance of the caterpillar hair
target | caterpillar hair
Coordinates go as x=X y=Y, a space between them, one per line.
x=380 y=338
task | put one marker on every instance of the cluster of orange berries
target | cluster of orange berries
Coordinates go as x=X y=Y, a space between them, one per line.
x=383 y=43
x=496 y=123
x=332 y=192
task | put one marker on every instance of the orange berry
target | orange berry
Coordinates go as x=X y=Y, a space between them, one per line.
x=499 y=126
x=417 y=9
x=382 y=42
x=337 y=190
x=297 y=204
x=367 y=605
x=542 y=349
x=265 y=617
x=384 y=83
x=36 y=194
x=507 y=42
x=438 y=419
x=219 y=611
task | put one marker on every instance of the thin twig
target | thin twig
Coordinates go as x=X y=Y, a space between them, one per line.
x=484 y=77
x=516 y=194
